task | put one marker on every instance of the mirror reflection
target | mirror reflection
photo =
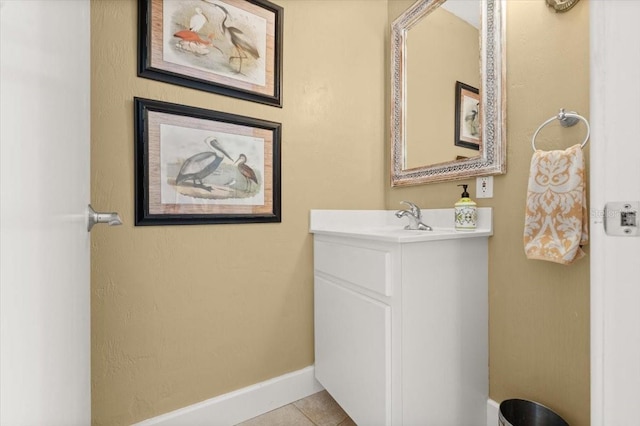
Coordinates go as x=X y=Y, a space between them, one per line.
x=442 y=48
x=444 y=125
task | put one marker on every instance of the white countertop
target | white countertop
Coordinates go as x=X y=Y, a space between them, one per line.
x=383 y=225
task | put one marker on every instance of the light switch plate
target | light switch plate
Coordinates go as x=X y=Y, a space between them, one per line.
x=622 y=218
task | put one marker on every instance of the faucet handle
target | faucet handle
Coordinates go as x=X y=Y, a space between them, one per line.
x=415 y=210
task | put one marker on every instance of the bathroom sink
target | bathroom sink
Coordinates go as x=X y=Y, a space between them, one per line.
x=383 y=225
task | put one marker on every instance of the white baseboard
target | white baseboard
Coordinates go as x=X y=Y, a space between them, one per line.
x=244 y=404
x=492 y=412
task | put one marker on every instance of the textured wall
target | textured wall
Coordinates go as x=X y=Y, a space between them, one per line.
x=181 y=314
x=539 y=311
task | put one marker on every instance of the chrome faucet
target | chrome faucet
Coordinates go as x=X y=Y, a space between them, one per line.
x=415 y=217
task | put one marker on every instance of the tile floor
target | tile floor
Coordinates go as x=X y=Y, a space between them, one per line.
x=318 y=409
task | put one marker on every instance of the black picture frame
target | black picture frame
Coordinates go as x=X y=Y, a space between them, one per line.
x=468 y=133
x=199 y=166
x=207 y=59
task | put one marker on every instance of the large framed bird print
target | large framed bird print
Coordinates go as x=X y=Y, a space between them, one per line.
x=198 y=166
x=229 y=47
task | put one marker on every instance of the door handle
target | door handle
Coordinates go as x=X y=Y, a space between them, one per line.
x=93 y=217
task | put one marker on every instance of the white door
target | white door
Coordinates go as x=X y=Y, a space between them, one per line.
x=615 y=177
x=44 y=189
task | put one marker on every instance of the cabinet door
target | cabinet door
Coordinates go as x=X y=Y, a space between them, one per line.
x=353 y=347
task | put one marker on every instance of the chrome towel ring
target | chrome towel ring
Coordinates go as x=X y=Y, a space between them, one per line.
x=567 y=119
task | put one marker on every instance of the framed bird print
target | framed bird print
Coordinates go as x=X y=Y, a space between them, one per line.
x=198 y=166
x=228 y=47
x=467 y=117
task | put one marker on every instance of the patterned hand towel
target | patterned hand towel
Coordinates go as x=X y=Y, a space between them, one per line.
x=556 y=221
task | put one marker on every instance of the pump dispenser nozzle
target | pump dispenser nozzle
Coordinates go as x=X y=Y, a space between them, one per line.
x=465 y=194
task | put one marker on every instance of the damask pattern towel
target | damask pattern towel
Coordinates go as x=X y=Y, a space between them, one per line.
x=556 y=221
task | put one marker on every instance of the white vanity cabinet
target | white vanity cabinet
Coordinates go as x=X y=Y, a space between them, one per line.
x=401 y=325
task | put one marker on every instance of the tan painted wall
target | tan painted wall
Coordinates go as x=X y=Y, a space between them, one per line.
x=539 y=312
x=180 y=314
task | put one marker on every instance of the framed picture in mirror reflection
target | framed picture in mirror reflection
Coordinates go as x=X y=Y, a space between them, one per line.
x=468 y=133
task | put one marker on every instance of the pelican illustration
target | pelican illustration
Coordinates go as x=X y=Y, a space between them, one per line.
x=201 y=165
x=246 y=171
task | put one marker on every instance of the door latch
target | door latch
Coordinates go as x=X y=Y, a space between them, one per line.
x=621 y=218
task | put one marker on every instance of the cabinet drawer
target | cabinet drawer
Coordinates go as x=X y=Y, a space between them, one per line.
x=365 y=267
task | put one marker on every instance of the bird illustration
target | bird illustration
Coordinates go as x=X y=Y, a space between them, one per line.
x=239 y=40
x=191 y=36
x=201 y=165
x=246 y=171
x=198 y=20
x=191 y=41
x=471 y=121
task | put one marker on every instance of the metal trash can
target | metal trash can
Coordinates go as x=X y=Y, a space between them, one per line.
x=519 y=412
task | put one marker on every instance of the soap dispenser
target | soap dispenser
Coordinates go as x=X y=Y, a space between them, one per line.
x=466 y=212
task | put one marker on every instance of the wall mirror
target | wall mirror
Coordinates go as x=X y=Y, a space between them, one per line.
x=447 y=97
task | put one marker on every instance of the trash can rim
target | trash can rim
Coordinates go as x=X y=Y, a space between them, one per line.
x=507 y=407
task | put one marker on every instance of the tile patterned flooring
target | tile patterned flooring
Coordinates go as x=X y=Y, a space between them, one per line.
x=318 y=409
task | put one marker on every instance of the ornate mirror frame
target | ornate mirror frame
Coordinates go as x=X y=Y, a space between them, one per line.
x=492 y=158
